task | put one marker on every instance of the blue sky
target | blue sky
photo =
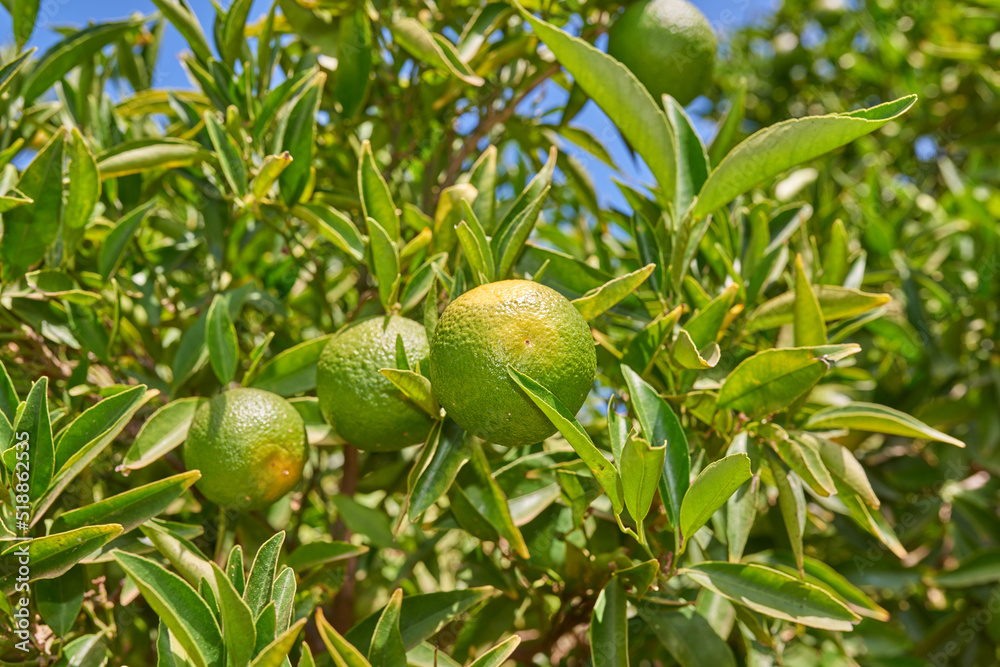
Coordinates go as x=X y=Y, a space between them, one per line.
x=724 y=15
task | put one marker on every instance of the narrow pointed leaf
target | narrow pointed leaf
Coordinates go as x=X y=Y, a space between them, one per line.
x=783 y=145
x=609 y=627
x=771 y=380
x=190 y=620
x=164 y=430
x=879 y=419
x=622 y=97
x=775 y=594
x=660 y=425
x=810 y=328
x=570 y=429
x=597 y=302
x=710 y=490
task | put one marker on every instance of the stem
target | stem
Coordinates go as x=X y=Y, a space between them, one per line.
x=343 y=604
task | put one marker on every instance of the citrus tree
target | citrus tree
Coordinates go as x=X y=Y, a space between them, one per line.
x=339 y=357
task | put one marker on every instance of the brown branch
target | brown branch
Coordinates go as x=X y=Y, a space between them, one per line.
x=488 y=123
x=343 y=604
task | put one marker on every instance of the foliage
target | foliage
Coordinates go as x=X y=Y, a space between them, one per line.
x=788 y=361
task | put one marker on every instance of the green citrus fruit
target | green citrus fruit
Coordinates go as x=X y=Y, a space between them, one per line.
x=250 y=446
x=669 y=46
x=517 y=322
x=361 y=405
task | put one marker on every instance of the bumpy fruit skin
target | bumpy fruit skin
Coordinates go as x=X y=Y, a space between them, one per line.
x=669 y=46
x=517 y=322
x=250 y=446
x=361 y=405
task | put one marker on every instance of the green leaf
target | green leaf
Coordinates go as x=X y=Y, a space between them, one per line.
x=483 y=177
x=9 y=70
x=498 y=655
x=479 y=256
x=774 y=149
x=234 y=569
x=689 y=357
x=416 y=387
x=871 y=520
x=184 y=556
x=835 y=255
x=343 y=653
x=32 y=444
x=165 y=429
x=265 y=627
x=879 y=419
x=435 y=478
x=178 y=605
x=68 y=53
x=261 y=580
x=709 y=491
x=223 y=346
x=238 y=629
x=179 y=13
x=509 y=241
x=608 y=632
x=299 y=141
x=387 y=648
x=270 y=170
x=688 y=637
x=118 y=239
x=640 y=469
x=660 y=425
x=83 y=191
x=325 y=554
x=385 y=264
x=432 y=49
x=487 y=498
x=233 y=26
x=354 y=61
x=646 y=345
x=801 y=454
x=836 y=303
x=574 y=433
x=144 y=155
x=824 y=576
x=61 y=598
x=771 y=380
x=275 y=653
x=706 y=324
x=622 y=97
x=12 y=200
x=130 y=508
x=598 y=301
x=422 y=616
x=729 y=126
x=86 y=650
x=810 y=328
x=30 y=229
x=23 y=16
x=792 y=503
x=844 y=467
x=539 y=183
x=376 y=200
x=741 y=507
x=774 y=593
x=693 y=167
x=226 y=149
x=53 y=555
x=292 y=371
